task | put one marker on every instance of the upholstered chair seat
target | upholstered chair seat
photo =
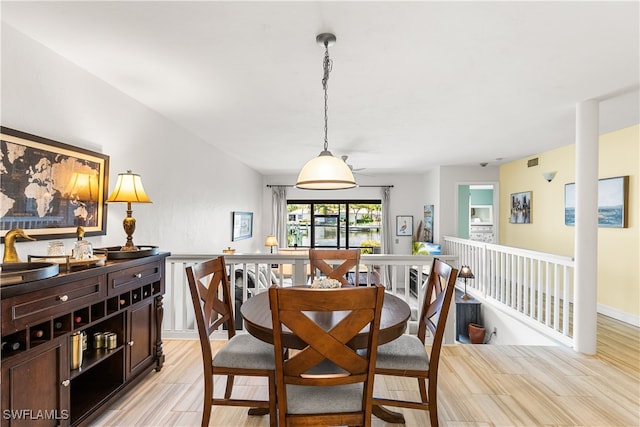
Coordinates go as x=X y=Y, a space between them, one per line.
x=245 y=351
x=405 y=353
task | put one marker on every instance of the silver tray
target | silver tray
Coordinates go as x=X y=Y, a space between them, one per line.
x=114 y=252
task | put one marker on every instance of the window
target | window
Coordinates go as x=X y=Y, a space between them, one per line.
x=334 y=224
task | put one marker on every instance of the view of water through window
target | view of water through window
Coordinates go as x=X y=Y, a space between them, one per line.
x=335 y=224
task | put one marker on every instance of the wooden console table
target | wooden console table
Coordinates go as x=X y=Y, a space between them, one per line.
x=38 y=319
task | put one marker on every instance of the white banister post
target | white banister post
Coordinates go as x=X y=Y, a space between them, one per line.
x=586 y=228
x=299 y=274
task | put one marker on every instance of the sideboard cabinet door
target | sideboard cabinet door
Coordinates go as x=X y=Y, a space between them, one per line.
x=141 y=337
x=35 y=386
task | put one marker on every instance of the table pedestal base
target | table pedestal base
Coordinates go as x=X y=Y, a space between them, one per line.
x=388 y=415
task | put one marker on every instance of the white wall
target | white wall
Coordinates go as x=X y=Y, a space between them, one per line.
x=193 y=186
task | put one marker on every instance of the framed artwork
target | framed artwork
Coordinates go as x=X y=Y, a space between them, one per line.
x=521 y=208
x=404 y=225
x=428 y=224
x=49 y=188
x=242 y=226
x=613 y=201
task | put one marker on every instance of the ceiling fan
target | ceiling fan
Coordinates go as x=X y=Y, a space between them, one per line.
x=345 y=158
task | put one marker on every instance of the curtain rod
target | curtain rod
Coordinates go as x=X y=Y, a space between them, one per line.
x=362 y=186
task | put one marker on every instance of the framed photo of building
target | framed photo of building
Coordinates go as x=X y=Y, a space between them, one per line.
x=48 y=188
x=521 y=206
x=404 y=225
x=242 y=226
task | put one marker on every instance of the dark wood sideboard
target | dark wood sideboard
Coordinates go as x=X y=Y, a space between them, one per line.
x=39 y=388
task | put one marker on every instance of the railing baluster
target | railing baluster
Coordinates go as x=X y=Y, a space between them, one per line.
x=523 y=280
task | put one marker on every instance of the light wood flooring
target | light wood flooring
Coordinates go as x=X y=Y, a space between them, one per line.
x=479 y=385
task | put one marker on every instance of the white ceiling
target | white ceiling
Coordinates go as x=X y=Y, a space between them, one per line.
x=414 y=84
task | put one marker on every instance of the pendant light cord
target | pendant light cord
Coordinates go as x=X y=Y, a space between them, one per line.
x=327 y=65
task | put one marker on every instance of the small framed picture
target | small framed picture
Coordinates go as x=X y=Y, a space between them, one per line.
x=521 y=206
x=242 y=226
x=404 y=225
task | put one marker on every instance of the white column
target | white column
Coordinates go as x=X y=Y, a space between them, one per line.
x=586 y=228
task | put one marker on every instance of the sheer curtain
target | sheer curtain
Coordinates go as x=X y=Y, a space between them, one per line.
x=279 y=214
x=387 y=232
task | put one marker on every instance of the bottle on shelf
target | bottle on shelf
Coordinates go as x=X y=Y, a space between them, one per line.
x=37 y=333
x=78 y=319
x=57 y=325
x=10 y=345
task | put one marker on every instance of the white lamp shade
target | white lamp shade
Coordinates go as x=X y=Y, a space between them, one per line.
x=325 y=172
x=271 y=241
x=129 y=189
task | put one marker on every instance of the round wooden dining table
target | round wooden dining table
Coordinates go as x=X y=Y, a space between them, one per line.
x=257 y=321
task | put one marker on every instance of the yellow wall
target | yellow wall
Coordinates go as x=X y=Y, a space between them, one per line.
x=618 y=249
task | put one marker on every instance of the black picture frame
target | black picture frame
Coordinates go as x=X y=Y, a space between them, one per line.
x=31 y=165
x=242 y=226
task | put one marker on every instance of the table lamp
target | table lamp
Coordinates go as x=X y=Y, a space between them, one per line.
x=465 y=273
x=129 y=189
x=271 y=242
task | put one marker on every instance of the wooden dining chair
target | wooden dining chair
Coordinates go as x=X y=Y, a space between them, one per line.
x=242 y=354
x=407 y=356
x=328 y=382
x=335 y=263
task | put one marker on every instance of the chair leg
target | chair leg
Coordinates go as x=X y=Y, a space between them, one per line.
x=433 y=402
x=433 y=415
x=273 y=408
x=229 y=388
x=208 y=395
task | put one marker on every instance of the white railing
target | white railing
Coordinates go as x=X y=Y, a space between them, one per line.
x=285 y=269
x=535 y=286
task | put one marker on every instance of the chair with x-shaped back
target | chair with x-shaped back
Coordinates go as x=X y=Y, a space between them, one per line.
x=335 y=263
x=407 y=356
x=242 y=354
x=328 y=382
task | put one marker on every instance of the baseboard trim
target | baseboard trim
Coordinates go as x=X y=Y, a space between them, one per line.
x=622 y=316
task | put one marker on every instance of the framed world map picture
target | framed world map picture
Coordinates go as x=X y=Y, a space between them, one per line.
x=49 y=188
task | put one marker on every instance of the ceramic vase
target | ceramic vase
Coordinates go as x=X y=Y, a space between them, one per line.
x=476 y=333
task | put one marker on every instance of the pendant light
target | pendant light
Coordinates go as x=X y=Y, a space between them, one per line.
x=325 y=172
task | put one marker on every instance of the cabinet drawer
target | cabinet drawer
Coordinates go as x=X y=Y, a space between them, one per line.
x=133 y=277
x=23 y=310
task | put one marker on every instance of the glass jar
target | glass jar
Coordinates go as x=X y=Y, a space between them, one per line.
x=55 y=248
x=82 y=250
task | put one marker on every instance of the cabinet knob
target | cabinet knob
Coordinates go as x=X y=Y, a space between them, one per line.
x=137 y=276
x=130 y=343
x=63 y=298
x=66 y=383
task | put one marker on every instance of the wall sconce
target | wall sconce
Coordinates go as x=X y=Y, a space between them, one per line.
x=271 y=242
x=129 y=189
x=549 y=175
x=465 y=273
